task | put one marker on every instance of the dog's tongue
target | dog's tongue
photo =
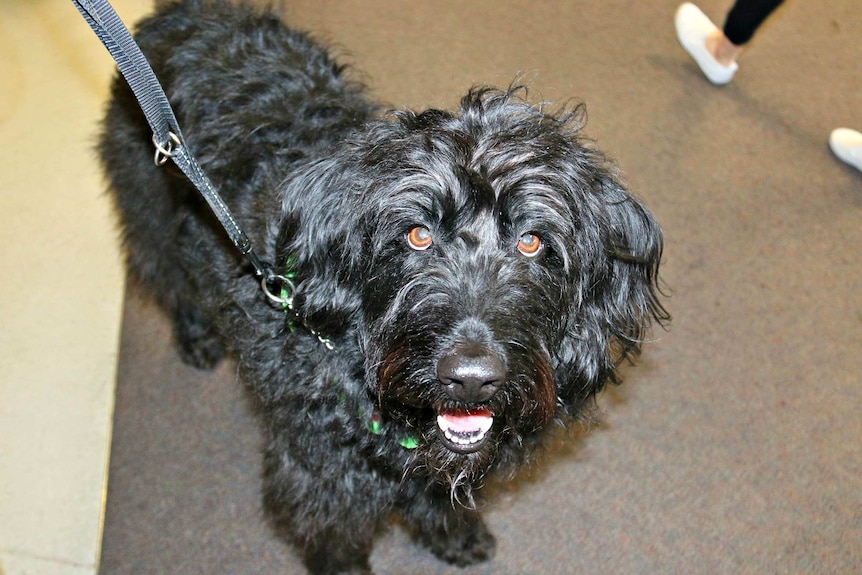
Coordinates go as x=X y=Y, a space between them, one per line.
x=467 y=422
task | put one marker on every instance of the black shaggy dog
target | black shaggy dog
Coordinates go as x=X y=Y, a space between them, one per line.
x=463 y=281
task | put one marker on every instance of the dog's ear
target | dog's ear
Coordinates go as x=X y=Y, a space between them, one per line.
x=617 y=291
x=319 y=245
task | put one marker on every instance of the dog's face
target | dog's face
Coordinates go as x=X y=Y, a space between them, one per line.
x=494 y=270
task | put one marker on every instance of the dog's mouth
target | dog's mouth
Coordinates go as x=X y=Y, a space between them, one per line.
x=465 y=431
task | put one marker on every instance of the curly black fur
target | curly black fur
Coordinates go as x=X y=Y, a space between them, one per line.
x=460 y=324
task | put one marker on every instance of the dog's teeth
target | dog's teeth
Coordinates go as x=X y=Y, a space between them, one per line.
x=465 y=429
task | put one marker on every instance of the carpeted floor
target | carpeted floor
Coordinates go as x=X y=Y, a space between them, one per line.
x=735 y=445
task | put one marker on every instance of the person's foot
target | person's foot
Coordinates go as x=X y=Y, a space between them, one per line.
x=694 y=28
x=847 y=145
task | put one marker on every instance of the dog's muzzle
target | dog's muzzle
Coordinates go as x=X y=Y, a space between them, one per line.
x=471 y=377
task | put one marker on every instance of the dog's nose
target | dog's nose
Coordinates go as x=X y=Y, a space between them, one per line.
x=471 y=377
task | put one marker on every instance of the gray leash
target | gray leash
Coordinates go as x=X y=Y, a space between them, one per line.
x=167 y=137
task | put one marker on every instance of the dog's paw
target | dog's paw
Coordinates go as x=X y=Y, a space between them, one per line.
x=202 y=353
x=197 y=342
x=345 y=571
x=468 y=546
x=335 y=560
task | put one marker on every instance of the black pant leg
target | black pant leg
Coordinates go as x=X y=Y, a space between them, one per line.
x=745 y=17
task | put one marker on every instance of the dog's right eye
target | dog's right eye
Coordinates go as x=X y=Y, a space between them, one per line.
x=419 y=238
x=529 y=245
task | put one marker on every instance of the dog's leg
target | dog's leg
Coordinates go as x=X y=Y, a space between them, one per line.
x=343 y=549
x=322 y=499
x=454 y=534
x=199 y=344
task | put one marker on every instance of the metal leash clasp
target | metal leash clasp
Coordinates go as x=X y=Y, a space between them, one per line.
x=166 y=150
x=286 y=289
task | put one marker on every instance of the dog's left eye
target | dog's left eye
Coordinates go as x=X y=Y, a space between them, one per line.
x=419 y=238
x=530 y=245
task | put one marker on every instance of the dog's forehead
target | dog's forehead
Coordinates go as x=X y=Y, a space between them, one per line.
x=445 y=190
x=469 y=188
x=528 y=175
x=477 y=170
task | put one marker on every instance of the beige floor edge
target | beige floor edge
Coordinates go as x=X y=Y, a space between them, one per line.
x=62 y=289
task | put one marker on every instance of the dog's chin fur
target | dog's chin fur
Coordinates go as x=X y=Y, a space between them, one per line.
x=534 y=274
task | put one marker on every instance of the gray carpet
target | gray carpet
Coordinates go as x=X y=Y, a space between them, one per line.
x=735 y=445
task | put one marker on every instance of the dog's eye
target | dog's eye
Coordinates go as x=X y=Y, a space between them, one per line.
x=530 y=245
x=419 y=238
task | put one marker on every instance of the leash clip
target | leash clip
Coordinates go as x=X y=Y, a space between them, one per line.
x=166 y=150
x=285 y=289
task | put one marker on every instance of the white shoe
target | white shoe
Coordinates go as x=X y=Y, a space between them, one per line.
x=847 y=145
x=693 y=27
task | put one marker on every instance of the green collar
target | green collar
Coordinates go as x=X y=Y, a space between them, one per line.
x=375 y=426
x=285 y=298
